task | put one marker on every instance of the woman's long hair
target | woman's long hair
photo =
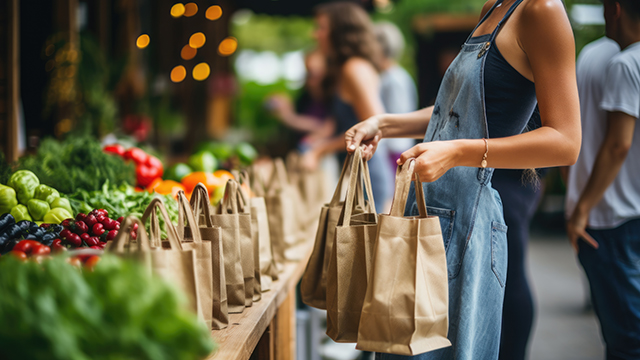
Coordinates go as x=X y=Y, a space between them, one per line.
x=351 y=34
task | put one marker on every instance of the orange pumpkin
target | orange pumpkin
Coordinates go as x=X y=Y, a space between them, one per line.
x=209 y=180
x=169 y=187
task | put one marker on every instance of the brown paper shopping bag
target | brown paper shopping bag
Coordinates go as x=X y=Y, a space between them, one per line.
x=406 y=307
x=351 y=255
x=311 y=185
x=268 y=265
x=236 y=226
x=245 y=198
x=281 y=200
x=124 y=246
x=313 y=287
x=168 y=259
x=207 y=243
x=209 y=232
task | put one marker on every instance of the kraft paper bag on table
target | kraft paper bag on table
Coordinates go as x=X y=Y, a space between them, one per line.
x=236 y=227
x=243 y=194
x=311 y=186
x=313 y=287
x=208 y=232
x=261 y=238
x=208 y=249
x=268 y=265
x=351 y=256
x=406 y=308
x=173 y=263
x=281 y=200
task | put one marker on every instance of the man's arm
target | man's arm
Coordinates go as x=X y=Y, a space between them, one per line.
x=611 y=156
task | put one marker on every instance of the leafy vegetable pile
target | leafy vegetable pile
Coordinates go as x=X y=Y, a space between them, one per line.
x=77 y=163
x=117 y=311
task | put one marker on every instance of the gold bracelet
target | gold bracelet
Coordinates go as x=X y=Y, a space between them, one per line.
x=483 y=164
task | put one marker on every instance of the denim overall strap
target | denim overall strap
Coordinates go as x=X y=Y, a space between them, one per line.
x=470 y=212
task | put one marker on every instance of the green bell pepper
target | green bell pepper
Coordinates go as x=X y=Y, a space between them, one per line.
x=38 y=208
x=24 y=182
x=62 y=203
x=203 y=161
x=56 y=216
x=20 y=212
x=7 y=199
x=46 y=193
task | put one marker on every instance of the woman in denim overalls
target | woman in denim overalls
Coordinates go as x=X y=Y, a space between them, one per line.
x=457 y=161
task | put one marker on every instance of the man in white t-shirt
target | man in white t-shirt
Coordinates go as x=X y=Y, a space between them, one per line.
x=603 y=192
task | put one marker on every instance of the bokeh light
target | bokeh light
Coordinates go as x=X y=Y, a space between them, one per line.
x=197 y=40
x=177 y=10
x=214 y=12
x=49 y=50
x=178 y=74
x=201 y=71
x=190 y=9
x=143 y=41
x=188 y=53
x=228 y=46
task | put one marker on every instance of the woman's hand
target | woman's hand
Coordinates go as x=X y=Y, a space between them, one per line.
x=433 y=159
x=365 y=133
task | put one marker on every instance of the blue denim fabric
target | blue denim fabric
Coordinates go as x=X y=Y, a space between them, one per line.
x=382 y=177
x=471 y=218
x=613 y=271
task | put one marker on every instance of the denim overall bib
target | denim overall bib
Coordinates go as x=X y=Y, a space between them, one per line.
x=470 y=212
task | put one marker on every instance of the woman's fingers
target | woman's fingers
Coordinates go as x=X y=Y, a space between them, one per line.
x=414 y=152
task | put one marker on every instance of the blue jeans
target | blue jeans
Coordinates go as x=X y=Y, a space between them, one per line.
x=613 y=271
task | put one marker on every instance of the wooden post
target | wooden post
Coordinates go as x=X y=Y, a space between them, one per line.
x=11 y=76
x=285 y=341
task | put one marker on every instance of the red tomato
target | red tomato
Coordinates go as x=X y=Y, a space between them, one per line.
x=26 y=246
x=116 y=149
x=137 y=155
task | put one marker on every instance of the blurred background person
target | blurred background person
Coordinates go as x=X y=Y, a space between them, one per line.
x=346 y=37
x=310 y=116
x=397 y=89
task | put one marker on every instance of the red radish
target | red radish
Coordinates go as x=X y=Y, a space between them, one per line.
x=135 y=226
x=96 y=247
x=97 y=229
x=100 y=218
x=112 y=234
x=120 y=219
x=117 y=227
x=80 y=217
x=65 y=234
x=66 y=222
x=74 y=240
x=134 y=235
x=85 y=237
x=90 y=220
x=92 y=241
x=81 y=227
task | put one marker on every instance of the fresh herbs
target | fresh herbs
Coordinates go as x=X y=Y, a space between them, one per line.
x=77 y=163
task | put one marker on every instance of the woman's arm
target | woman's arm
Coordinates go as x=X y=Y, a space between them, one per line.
x=545 y=36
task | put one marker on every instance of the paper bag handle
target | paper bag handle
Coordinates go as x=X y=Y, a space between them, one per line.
x=404 y=173
x=200 y=202
x=359 y=173
x=124 y=236
x=172 y=233
x=231 y=202
x=185 y=211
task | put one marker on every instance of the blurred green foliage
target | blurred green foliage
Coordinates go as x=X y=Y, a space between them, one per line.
x=273 y=33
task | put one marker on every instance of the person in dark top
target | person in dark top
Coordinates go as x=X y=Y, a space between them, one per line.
x=464 y=141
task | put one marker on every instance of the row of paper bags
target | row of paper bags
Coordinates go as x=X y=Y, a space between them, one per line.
x=233 y=256
x=381 y=278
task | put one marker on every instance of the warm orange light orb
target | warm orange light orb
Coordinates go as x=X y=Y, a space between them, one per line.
x=178 y=73
x=213 y=12
x=143 y=41
x=190 y=9
x=197 y=40
x=228 y=46
x=188 y=53
x=201 y=71
x=177 y=10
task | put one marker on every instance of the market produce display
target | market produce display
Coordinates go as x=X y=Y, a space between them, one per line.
x=76 y=163
x=26 y=199
x=116 y=311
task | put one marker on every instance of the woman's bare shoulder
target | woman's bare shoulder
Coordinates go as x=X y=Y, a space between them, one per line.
x=544 y=20
x=356 y=67
x=486 y=7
